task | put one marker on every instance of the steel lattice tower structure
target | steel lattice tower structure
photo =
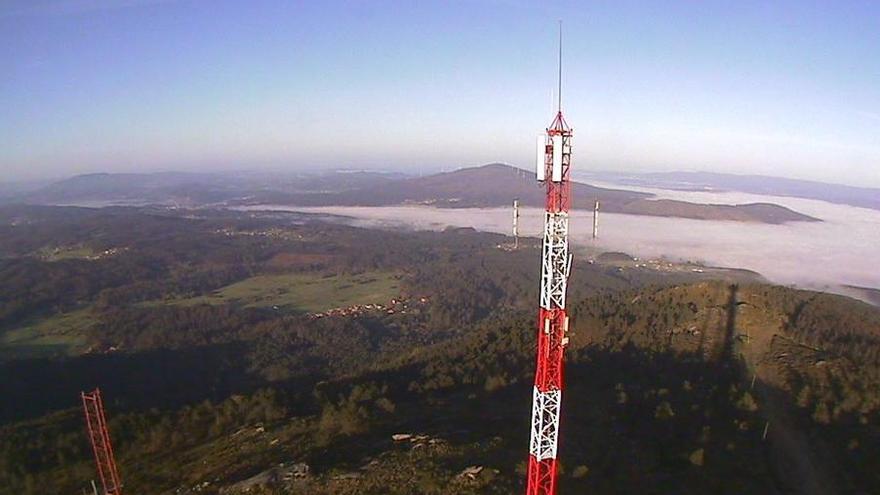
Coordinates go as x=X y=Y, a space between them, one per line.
x=96 y=424
x=553 y=164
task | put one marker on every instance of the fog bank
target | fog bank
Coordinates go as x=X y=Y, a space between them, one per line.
x=840 y=250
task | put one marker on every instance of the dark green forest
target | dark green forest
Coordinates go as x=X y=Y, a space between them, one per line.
x=677 y=382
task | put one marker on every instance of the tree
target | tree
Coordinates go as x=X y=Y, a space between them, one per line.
x=664 y=411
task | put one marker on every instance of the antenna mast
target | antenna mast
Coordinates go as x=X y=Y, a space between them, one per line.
x=516 y=223
x=553 y=163
x=596 y=220
x=559 y=91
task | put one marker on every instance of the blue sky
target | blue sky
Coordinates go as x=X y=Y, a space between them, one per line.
x=776 y=88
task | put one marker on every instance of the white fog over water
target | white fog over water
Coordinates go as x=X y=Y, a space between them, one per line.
x=842 y=249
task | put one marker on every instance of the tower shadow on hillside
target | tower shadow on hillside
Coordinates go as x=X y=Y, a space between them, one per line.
x=727 y=356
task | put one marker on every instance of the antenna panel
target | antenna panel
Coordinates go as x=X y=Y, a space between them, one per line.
x=556 y=174
x=541 y=158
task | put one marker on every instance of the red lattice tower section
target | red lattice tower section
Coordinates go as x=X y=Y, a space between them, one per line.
x=96 y=424
x=553 y=168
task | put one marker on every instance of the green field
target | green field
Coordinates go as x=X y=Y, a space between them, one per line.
x=65 y=334
x=62 y=334
x=78 y=252
x=305 y=292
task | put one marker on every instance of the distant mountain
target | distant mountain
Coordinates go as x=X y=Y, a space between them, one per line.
x=153 y=187
x=13 y=191
x=194 y=189
x=864 y=197
x=497 y=185
x=490 y=185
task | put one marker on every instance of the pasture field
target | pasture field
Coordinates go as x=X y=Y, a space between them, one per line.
x=62 y=334
x=308 y=293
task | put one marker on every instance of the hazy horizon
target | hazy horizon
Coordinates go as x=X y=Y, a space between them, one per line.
x=593 y=177
x=786 y=89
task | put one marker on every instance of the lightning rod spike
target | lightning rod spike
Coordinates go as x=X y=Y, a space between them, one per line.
x=559 y=92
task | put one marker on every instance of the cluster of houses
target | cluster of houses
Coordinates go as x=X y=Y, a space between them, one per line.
x=395 y=306
x=274 y=233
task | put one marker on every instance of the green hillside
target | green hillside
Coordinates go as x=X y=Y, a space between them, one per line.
x=672 y=376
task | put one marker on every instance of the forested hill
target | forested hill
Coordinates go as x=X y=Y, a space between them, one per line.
x=659 y=400
x=660 y=380
x=232 y=347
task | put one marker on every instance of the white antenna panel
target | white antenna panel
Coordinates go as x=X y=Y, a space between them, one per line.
x=540 y=158
x=557 y=159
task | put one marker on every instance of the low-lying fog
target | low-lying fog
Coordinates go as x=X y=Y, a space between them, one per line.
x=842 y=249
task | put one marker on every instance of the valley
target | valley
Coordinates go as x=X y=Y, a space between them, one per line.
x=220 y=377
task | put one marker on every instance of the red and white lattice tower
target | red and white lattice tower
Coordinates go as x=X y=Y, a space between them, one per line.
x=553 y=169
x=96 y=424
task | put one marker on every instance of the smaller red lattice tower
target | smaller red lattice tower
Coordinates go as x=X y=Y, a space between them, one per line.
x=96 y=425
